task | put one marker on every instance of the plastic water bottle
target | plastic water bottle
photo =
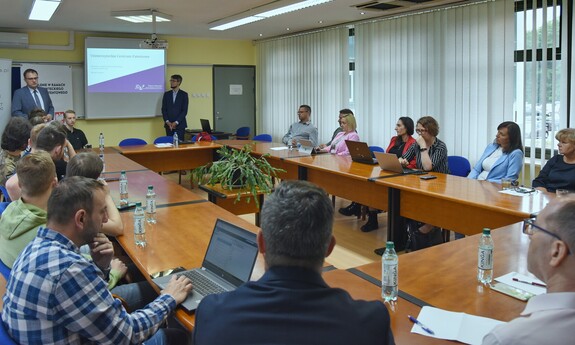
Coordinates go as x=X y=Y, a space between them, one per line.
x=290 y=142
x=485 y=258
x=139 y=226
x=389 y=273
x=151 y=205
x=176 y=141
x=123 y=188
x=103 y=162
x=101 y=143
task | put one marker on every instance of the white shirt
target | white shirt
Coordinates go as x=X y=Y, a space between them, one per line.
x=548 y=319
x=489 y=162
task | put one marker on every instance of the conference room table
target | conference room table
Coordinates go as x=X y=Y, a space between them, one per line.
x=445 y=276
x=185 y=157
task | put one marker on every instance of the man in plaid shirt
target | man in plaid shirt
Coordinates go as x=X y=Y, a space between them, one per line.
x=56 y=296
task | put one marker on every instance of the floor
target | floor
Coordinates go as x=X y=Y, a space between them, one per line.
x=353 y=248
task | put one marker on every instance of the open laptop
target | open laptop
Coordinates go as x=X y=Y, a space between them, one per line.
x=308 y=148
x=228 y=263
x=207 y=128
x=360 y=152
x=389 y=162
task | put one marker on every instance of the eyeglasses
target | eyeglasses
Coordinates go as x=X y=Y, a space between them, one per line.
x=303 y=111
x=421 y=130
x=530 y=228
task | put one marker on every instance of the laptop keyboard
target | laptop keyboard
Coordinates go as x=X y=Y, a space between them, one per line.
x=202 y=284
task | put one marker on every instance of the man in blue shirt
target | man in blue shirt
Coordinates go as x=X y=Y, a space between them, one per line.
x=55 y=295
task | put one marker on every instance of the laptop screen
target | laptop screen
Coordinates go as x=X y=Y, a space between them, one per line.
x=206 y=125
x=231 y=253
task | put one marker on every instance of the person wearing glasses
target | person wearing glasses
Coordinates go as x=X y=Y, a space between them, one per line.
x=548 y=318
x=31 y=97
x=559 y=171
x=302 y=129
x=503 y=158
x=175 y=108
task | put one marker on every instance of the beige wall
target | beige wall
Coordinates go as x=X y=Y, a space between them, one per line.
x=190 y=57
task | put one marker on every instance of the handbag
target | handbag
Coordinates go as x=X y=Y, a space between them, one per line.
x=417 y=240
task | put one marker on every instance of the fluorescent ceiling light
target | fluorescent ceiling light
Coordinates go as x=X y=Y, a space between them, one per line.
x=142 y=16
x=43 y=9
x=271 y=13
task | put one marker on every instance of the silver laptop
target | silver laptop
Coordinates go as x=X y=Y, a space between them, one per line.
x=390 y=162
x=307 y=147
x=228 y=263
x=360 y=152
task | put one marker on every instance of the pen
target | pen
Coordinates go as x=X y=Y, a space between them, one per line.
x=530 y=283
x=416 y=321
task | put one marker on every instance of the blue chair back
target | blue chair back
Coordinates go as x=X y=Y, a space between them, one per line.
x=3 y=206
x=5 y=194
x=4 y=337
x=5 y=271
x=166 y=139
x=373 y=149
x=132 y=142
x=243 y=133
x=263 y=137
x=458 y=166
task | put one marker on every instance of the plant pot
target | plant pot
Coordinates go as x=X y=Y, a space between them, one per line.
x=237 y=181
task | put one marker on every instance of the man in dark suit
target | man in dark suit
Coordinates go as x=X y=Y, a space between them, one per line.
x=175 y=108
x=31 y=97
x=291 y=303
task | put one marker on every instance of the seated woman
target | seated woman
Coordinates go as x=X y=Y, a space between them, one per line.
x=430 y=153
x=503 y=158
x=338 y=145
x=398 y=145
x=559 y=171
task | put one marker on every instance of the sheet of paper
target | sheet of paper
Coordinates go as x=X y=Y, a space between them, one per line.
x=469 y=329
x=515 y=193
x=279 y=148
x=163 y=145
x=508 y=279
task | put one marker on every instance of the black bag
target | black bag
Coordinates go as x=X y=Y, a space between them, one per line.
x=417 y=240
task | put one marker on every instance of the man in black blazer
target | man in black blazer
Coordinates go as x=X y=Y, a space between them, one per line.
x=291 y=303
x=175 y=108
x=31 y=97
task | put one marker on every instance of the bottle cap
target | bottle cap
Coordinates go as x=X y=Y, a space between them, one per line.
x=389 y=245
x=123 y=172
x=486 y=231
x=139 y=204
x=150 y=187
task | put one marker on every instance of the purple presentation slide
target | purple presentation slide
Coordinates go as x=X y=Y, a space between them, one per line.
x=147 y=81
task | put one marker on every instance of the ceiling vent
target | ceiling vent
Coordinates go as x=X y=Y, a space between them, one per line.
x=398 y=6
x=376 y=6
x=13 y=40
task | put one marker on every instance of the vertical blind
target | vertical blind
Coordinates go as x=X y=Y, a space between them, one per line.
x=308 y=69
x=454 y=64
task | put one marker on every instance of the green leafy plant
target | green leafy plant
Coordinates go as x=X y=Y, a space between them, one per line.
x=239 y=169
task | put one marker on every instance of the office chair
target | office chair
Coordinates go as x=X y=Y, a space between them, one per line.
x=132 y=142
x=166 y=139
x=3 y=206
x=5 y=195
x=458 y=166
x=243 y=133
x=5 y=271
x=373 y=149
x=263 y=137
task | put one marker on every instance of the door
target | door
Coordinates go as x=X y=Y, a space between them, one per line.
x=234 y=98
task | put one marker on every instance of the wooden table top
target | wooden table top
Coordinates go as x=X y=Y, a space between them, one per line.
x=479 y=194
x=116 y=162
x=445 y=276
x=341 y=165
x=167 y=191
x=360 y=288
x=151 y=148
x=261 y=148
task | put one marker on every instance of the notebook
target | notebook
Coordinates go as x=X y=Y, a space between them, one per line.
x=360 y=152
x=308 y=148
x=228 y=263
x=206 y=127
x=389 y=162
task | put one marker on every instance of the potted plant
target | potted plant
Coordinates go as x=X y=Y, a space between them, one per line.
x=239 y=169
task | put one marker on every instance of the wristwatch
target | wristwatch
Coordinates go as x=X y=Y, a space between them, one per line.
x=422 y=149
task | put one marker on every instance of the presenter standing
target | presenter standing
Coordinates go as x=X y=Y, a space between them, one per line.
x=31 y=97
x=175 y=108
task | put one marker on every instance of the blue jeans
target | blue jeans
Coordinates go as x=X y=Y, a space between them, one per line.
x=137 y=295
x=168 y=336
